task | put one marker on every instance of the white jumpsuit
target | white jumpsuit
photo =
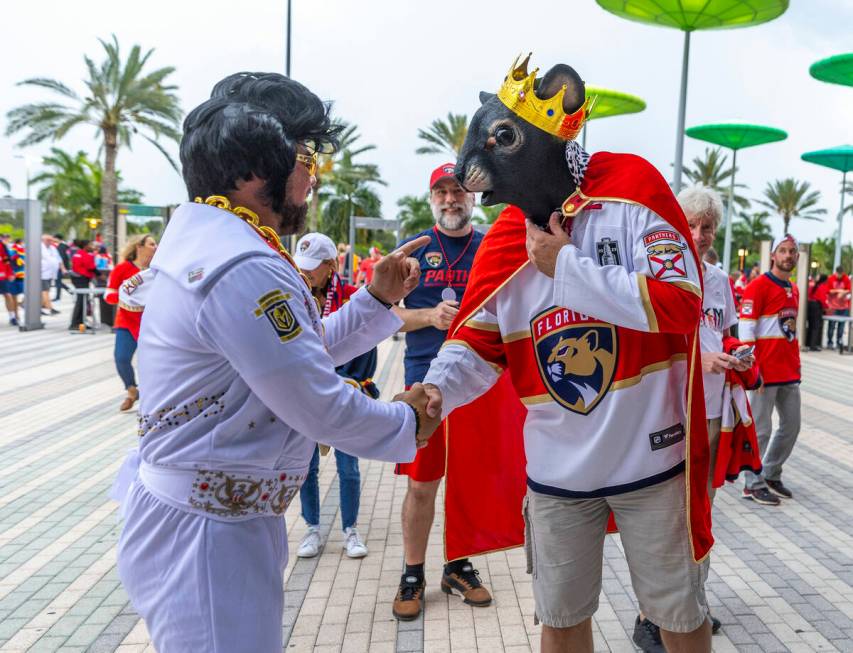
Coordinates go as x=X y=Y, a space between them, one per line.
x=237 y=384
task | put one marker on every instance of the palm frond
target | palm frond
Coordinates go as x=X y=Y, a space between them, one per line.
x=51 y=85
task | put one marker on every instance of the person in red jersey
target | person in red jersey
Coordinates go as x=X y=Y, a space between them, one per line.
x=837 y=303
x=136 y=256
x=768 y=319
x=83 y=270
x=365 y=268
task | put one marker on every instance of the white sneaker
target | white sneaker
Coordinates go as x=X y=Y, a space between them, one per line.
x=310 y=545
x=353 y=545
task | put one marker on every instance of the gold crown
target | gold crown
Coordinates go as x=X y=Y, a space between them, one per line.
x=518 y=95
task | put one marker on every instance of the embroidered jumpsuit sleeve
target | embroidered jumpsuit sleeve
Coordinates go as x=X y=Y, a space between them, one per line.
x=262 y=321
x=656 y=291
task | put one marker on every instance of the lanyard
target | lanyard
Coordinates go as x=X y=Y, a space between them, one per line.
x=444 y=254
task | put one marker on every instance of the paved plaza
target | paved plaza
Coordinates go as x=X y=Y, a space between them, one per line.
x=781 y=578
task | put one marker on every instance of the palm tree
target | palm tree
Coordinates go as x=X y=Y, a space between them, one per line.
x=326 y=168
x=748 y=231
x=348 y=191
x=120 y=100
x=415 y=214
x=444 y=136
x=792 y=199
x=712 y=171
x=71 y=188
x=5 y=184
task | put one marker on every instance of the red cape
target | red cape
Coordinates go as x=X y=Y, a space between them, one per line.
x=485 y=473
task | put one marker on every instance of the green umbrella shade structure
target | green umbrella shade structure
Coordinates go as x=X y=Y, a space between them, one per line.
x=613 y=103
x=736 y=136
x=691 y=15
x=837 y=158
x=835 y=70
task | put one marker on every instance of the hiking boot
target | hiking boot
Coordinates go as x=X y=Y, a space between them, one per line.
x=310 y=544
x=353 y=545
x=761 y=495
x=647 y=636
x=130 y=399
x=466 y=581
x=410 y=598
x=778 y=488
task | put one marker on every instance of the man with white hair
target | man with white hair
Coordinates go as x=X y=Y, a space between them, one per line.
x=430 y=309
x=703 y=209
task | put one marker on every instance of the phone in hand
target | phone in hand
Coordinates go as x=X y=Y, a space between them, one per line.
x=744 y=353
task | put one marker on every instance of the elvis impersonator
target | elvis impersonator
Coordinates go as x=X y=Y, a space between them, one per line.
x=237 y=375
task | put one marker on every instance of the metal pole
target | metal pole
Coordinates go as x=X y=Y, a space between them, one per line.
x=351 y=249
x=287 y=58
x=583 y=138
x=837 y=260
x=682 y=108
x=727 y=253
x=32 y=280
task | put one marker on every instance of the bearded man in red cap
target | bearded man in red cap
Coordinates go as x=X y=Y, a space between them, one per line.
x=430 y=309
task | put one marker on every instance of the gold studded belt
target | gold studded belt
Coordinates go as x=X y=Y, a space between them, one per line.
x=224 y=495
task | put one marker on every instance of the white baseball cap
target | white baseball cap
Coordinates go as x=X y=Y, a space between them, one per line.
x=312 y=249
x=781 y=239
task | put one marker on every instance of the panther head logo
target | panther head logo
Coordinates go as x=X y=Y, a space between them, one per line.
x=577 y=358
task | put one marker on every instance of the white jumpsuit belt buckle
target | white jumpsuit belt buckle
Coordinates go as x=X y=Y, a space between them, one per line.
x=224 y=494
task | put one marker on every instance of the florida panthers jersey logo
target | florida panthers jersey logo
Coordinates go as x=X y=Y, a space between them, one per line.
x=665 y=251
x=788 y=323
x=576 y=355
x=433 y=258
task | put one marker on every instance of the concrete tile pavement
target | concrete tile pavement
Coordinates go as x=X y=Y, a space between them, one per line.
x=781 y=579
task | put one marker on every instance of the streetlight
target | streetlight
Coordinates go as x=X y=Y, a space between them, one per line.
x=742 y=254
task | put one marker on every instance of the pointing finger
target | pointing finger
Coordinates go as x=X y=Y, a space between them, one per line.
x=413 y=245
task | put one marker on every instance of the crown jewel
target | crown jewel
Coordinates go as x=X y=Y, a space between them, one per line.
x=518 y=95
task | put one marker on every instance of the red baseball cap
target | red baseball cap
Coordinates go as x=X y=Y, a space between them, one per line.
x=443 y=171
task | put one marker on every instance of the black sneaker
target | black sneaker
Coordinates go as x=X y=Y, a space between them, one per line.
x=715 y=624
x=778 y=488
x=647 y=636
x=409 y=601
x=466 y=581
x=762 y=496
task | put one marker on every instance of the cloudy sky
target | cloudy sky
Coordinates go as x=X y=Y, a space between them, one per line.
x=392 y=67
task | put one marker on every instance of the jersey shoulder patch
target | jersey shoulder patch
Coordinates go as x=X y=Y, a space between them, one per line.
x=274 y=306
x=665 y=251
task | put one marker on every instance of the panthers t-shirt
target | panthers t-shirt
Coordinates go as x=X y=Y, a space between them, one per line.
x=422 y=345
x=718 y=314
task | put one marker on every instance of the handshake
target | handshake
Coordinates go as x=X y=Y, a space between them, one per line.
x=426 y=401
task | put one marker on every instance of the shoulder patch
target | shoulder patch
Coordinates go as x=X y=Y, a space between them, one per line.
x=665 y=252
x=746 y=307
x=276 y=309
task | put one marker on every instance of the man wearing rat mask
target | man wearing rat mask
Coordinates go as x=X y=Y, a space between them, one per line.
x=587 y=294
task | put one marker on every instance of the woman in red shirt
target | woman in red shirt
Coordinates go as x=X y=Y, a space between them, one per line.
x=136 y=256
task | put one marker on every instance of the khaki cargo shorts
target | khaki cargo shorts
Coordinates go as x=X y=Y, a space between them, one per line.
x=564 y=541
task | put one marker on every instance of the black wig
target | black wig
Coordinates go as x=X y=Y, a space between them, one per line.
x=251 y=126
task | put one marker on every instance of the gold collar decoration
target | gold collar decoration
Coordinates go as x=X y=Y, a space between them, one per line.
x=251 y=218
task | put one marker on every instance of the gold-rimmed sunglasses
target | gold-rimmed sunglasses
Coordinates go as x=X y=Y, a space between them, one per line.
x=309 y=161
